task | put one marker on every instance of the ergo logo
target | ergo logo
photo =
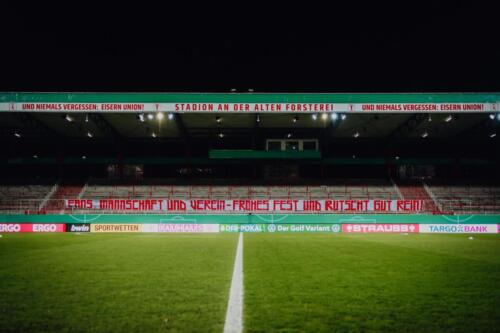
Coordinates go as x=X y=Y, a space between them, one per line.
x=10 y=227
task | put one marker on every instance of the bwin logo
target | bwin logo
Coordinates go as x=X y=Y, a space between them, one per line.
x=80 y=228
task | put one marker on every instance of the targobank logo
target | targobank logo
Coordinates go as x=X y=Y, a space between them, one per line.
x=459 y=228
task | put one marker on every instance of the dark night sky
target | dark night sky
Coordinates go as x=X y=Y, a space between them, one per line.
x=358 y=47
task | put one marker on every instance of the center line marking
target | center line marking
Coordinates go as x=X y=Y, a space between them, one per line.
x=234 y=314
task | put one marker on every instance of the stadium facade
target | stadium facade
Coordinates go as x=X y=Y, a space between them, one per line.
x=200 y=162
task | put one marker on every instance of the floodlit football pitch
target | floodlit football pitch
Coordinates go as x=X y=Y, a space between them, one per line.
x=291 y=282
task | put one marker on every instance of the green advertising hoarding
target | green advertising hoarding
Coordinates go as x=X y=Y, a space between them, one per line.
x=249 y=102
x=279 y=227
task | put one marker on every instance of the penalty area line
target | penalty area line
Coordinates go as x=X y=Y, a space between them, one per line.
x=234 y=314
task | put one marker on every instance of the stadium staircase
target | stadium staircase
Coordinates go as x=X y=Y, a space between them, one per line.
x=55 y=204
x=417 y=191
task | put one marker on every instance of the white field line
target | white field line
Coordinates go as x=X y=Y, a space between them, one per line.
x=234 y=314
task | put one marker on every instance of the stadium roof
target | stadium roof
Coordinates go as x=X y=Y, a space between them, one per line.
x=125 y=115
x=247 y=97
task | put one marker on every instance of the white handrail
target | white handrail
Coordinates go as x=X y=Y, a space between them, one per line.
x=48 y=196
x=432 y=196
x=83 y=190
x=396 y=188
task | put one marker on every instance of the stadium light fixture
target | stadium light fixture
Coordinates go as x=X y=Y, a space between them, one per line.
x=89 y=134
x=492 y=116
x=68 y=118
x=356 y=134
x=153 y=135
x=448 y=118
x=159 y=116
x=150 y=116
x=170 y=116
x=17 y=135
x=343 y=116
x=425 y=134
x=324 y=116
x=334 y=116
x=314 y=116
x=492 y=135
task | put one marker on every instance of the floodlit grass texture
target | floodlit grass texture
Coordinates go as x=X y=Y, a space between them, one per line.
x=115 y=282
x=293 y=282
x=372 y=283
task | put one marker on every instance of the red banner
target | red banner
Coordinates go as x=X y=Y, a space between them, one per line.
x=385 y=228
x=188 y=107
x=117 y=204
x=35 y=227
x=247 y=205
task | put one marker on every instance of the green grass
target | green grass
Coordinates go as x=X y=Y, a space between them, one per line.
x=293 y=282
x=371 y=283
x=115 y=282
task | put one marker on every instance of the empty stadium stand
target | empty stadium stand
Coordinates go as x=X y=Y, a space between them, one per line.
x=24 y=199
x=418 y=190
x=466 y=197
x=438 y=197
x=55 y=203
x=358 y=189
